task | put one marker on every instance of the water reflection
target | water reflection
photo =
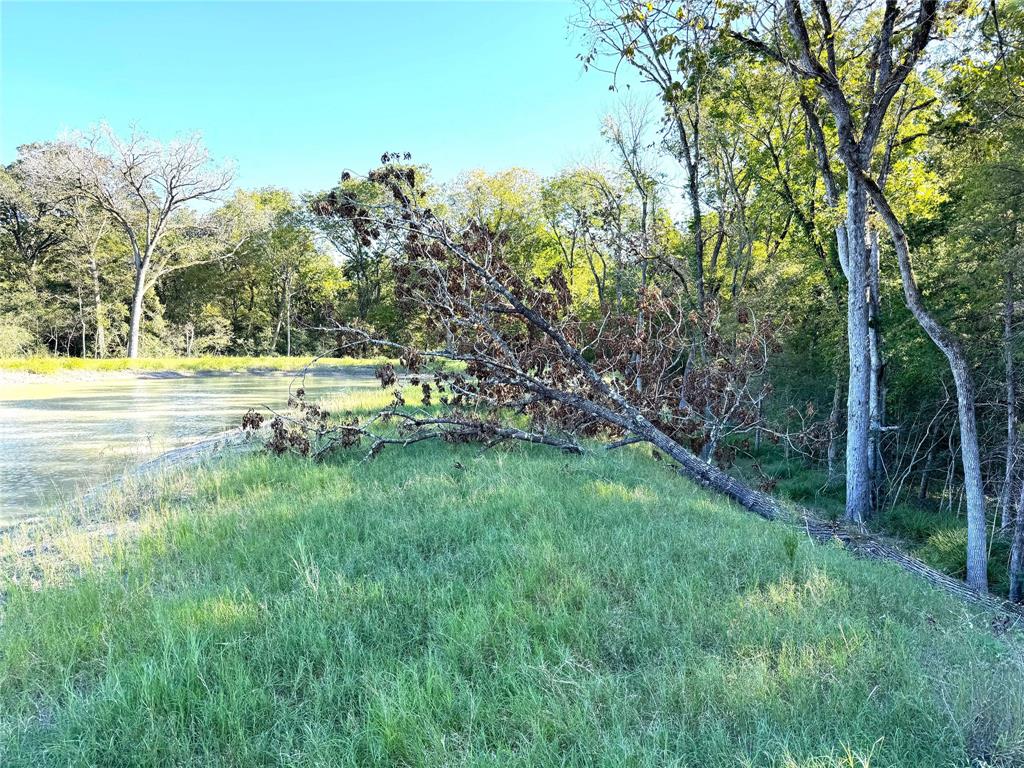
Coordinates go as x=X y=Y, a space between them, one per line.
x=57 y=439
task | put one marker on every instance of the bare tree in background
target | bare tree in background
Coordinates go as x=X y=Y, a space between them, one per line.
x=147 y=188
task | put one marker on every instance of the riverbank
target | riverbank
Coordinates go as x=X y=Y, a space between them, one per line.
x=516 y=607
x=28 y=370
x=61 y=436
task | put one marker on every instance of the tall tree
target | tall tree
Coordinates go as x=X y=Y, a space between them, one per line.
x=147 y=188
x=898 y=39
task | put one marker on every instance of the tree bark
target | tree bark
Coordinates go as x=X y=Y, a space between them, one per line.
x=922 y=488
x=877 y=395
x=1017 y=552
x=81 y=320
x=858 y=398
x=100 y=345
x=833 y=432
x=138 y=300
x=288 y=314
x=1006 y=500
x=977 y=550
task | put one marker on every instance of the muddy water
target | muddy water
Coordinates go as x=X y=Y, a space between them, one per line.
x=58 y=439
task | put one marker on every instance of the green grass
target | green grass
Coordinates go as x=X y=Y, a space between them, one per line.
x=935 y=535
x=54 y=365
x=439 y=606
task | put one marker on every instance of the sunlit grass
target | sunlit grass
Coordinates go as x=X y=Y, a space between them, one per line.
x=52 y=365
x=936 y=535
x=443 y=606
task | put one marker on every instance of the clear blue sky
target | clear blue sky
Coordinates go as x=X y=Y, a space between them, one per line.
x=296 y=91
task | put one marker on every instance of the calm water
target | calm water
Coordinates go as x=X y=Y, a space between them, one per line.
x=58 y=439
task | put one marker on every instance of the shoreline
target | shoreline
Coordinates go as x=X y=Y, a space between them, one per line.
x=11 y=376
x=89 y=503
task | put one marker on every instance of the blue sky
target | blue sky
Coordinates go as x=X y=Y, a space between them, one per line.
x=296 y=91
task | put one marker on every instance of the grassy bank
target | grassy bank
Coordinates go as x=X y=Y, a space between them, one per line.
x=927 y=529
x=442 y=607
x=212 y=363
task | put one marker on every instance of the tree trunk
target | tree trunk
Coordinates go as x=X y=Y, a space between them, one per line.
x=1006 y=500
x=877 y=395
x=138 y=299
x=81 y=320
x=288 y=315
x=977 y=550
x=690 y=146
x=100 y=345
x=833 y=432
x=922 y=489
x=280 y=318
x=1017 y=552
x=858 y=397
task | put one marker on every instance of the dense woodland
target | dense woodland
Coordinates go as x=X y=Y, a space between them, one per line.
x=804 y=240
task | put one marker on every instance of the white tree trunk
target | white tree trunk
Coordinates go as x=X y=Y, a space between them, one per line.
x=138 y=297
x=877 y=396
x=288 y=315
x=1006 y=498
x=858 y=397
x=833 y=431
x=977 y=549
x=100 y=345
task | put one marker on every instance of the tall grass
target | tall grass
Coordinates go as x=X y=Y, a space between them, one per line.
x=439 y=606
x=938 y=536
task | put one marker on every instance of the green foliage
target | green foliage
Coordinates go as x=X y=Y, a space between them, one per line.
x=15 y=339
x=945 y=549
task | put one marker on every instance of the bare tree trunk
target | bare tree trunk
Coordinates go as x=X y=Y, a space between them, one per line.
x=81 y=320
x=977 y=549
x=1005 y=500
x=280 y=318
x=1017 y=552
x=922 y=489
x=138 y=300
x=833 y=432
x=288 y=314
x=690 y=144
x=698 y=237
x=858 y=397
x=100 y=345
x=277 y=332
x=877 y=369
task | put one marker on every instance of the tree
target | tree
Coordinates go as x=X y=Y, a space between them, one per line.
x=526 y=356
x=889 y=67
x=146 y=187
x=33 y=210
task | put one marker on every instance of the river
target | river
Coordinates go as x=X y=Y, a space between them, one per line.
x=59 y=438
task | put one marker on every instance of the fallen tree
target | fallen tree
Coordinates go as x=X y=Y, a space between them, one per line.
x=513 y=361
